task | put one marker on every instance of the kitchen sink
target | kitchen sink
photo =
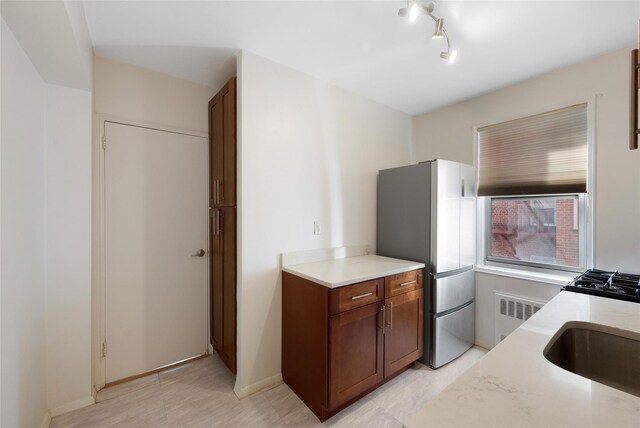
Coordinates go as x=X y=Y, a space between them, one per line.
x=603 y=354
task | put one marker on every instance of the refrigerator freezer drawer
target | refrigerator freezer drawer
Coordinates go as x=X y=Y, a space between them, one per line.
x=453 y=334
x=452 y=291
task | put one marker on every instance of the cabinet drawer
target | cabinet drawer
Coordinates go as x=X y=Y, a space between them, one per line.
x=403 y=282
x=355 y=295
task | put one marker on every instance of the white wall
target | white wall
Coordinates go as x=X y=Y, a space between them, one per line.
x=308 y=151
x=46 y=216
x=142 y=95
x=448 y=133
x=68 y=251
x=22 y=248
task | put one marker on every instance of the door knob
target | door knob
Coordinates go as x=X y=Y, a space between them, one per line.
x=200 y=253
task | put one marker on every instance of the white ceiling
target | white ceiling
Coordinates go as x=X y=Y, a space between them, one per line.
x=63 y=56
x=363 y=46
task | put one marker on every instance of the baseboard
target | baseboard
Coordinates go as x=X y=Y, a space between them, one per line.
x=46 y=420
x=258 y=386
x=71 y=406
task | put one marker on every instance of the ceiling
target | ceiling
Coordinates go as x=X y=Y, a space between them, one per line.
x=363 y=46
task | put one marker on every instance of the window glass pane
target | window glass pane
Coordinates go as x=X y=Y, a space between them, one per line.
x=536 y=230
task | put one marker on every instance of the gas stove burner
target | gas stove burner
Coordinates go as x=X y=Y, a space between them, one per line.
x=616 y=285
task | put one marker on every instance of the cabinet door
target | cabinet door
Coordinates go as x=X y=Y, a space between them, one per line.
x=356 y=352
x=215 y=148
x=228 y=232
x=222 y=131
x=223 y=275
x=215 y=295
x=446 y=222
x=467 y=216
x=228 y=185
x=403 y=331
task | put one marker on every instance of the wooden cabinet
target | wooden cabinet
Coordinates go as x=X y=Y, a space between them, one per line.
x=223 y=281
x=404 y=320
x=222 y=222
x=222 y=131
x=403 y=331
x=355 y=346
x=356 y=295
x=339 y=344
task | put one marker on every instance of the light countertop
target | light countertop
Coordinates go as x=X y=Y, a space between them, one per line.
x=349 y=270
x=514 y=385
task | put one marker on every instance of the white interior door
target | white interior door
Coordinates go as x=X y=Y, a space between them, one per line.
x=156 y=203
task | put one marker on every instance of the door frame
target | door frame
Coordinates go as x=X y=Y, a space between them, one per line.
x=98 y=278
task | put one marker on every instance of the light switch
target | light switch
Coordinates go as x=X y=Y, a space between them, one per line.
x=316 y=228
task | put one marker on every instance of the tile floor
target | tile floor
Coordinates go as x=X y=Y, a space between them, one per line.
x=200 y=394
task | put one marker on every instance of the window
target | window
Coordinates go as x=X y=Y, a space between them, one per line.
x=532 y=180
x=540 y=231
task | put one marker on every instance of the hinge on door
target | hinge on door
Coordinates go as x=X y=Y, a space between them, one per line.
x=104 y=142
x=104 y=349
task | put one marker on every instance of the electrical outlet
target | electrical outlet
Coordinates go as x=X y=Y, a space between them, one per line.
x=316 y=228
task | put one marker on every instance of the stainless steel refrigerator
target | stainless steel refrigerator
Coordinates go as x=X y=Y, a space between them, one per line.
x=427 y=213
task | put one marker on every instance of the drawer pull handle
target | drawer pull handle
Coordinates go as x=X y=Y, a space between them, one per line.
x=407 y=283
x=361 y=296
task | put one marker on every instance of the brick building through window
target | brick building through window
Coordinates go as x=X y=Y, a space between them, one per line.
x=537 y=230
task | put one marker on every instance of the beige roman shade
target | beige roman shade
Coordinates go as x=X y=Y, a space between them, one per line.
x=535 y=155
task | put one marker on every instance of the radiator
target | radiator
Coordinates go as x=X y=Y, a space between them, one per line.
x=510 y=312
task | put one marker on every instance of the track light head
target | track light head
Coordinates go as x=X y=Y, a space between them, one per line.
x=449 y=55
x=414 y=11
x=438 y=33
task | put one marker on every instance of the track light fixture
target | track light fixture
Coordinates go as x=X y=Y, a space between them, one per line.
x=449 y=55
x=416 y=8
x=438 y=33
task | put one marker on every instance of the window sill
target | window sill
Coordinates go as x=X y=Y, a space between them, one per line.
x=548 y=278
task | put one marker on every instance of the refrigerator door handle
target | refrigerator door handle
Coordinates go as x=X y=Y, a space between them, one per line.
x=450 y=311
x=440 y=275
x=462 y=192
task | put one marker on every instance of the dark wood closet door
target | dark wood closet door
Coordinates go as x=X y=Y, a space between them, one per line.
x=216 y=292
x=222 y=195
x=227 y=350
x=228 y=122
